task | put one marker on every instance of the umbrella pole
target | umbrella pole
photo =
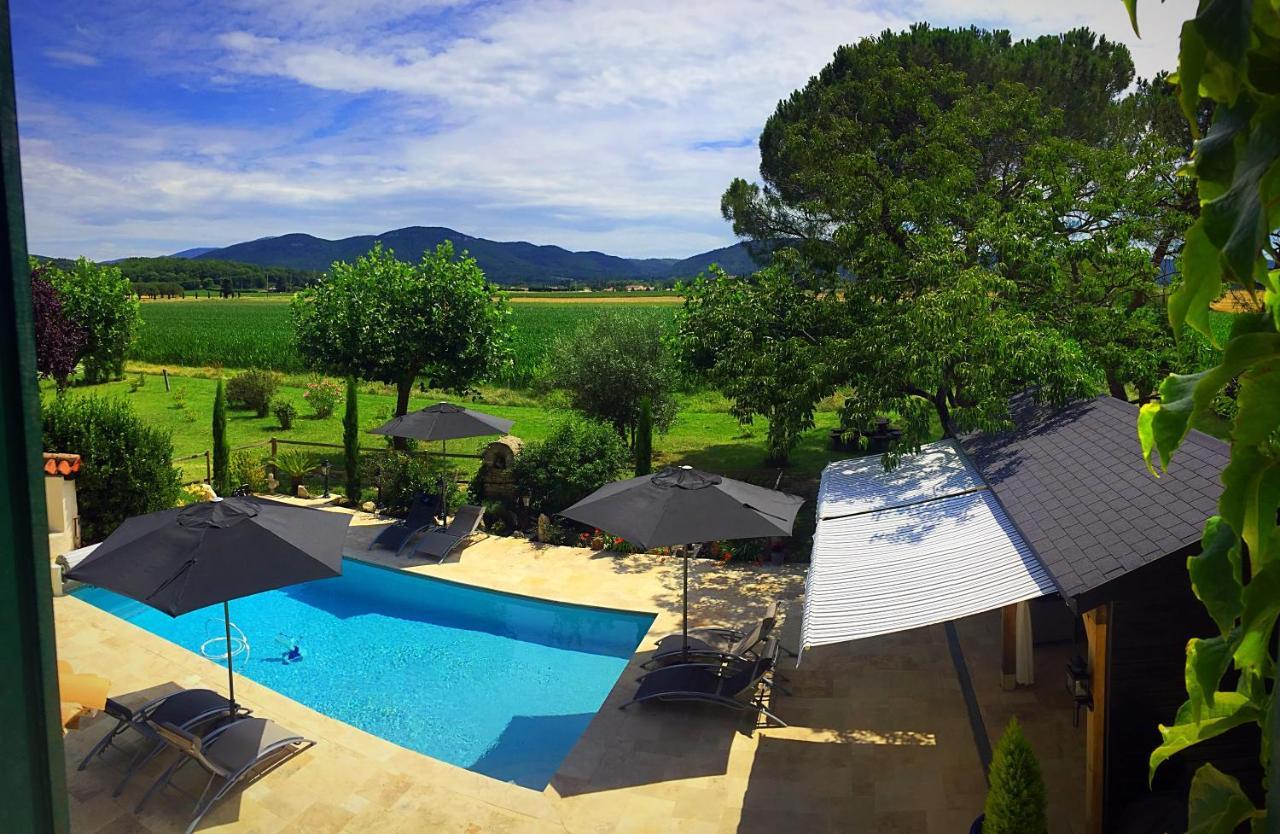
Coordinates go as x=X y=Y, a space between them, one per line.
x=686 y=602
x=444 y=486
x=231 y=679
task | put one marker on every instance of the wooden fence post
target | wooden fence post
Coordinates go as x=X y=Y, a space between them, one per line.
x=165 y=371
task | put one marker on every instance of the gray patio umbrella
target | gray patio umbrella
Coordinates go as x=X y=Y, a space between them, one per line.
x=188 y=558
x=444 y=421
x=681 y=506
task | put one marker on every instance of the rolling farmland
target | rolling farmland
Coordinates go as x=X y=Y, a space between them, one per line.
x=256 y=332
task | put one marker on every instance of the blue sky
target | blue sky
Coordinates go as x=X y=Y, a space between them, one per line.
x=147 y=128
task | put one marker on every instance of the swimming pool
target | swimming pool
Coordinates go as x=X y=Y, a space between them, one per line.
x=497 y=683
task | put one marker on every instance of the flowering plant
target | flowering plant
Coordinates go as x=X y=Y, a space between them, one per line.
x=323 y=396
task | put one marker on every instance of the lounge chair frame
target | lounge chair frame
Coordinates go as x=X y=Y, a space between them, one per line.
x=731 y=640
x=192 y=749
x=438 y=544
x=761 y=670
x=139 y=720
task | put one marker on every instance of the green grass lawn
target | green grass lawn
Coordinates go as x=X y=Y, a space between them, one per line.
x=705 y=434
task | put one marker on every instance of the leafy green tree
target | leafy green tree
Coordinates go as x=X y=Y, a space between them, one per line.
x=98 y=298
x=576 y=459
x=221 y=444
x=351 y=441
x=1016 y=799
x=126 y=467
x=916 y=156
x=610 y=365
x=769 y=342
x=1229 y=56
x=779 y=342
x=437 y=322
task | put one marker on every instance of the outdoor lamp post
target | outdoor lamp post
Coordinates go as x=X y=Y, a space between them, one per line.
x=324 y=469
x=1079 y=687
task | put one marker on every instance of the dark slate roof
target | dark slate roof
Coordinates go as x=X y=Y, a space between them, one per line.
x=1073 y=482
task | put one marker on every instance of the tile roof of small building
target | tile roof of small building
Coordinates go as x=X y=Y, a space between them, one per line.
x=1073 y=482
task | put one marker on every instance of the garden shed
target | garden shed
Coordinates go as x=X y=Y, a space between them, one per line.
x=1061 y=505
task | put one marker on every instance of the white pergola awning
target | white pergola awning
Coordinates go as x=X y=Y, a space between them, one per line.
x=923 y=544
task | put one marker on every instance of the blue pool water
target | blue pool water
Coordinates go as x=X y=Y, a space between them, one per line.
x=500 y=684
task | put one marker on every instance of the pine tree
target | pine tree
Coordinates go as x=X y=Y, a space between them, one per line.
x=351 y=442
x=221 y=445
x=1015 y=800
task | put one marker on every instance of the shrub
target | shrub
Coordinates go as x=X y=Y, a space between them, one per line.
x=286 y=412
x=404 y=476
x=578 y=457
x=248 y=469
x=221 y=445
x=1015 y=800
x=253 y=390
x=293 y=464
x=125 y=463
x=323 y=396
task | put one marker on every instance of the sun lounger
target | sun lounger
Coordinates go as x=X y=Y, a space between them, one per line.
x=422 y=516
x=734 y=685
x=440 y=543
x=230 y=753
x=715 y=644
x=189 y=709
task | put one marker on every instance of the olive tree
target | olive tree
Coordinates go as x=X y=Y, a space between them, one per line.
x=611 y=365
x=436 y=322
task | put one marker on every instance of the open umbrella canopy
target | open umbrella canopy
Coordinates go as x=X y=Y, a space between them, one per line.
x=191 y=557
x=682 y=505
x=444 y=421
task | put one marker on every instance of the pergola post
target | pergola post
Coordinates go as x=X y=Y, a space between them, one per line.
x=1097 y=631
x=1009 y=647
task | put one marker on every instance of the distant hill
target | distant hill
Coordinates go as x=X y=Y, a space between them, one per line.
x=193 y=253
x=502 y=262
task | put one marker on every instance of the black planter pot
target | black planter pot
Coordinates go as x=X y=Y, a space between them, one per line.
x=976 y=828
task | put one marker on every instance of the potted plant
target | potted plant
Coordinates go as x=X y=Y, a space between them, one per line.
x=1016 y=799
x=296 y=465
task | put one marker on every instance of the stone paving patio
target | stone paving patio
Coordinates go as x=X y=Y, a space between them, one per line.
x=879 y=739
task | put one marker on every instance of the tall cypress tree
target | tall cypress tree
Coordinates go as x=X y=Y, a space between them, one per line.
x=221 y=445
x=1016 y=798
x=351 y=442
x=644 y=438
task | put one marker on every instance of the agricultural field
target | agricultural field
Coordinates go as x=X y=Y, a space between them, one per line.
x=256 y=332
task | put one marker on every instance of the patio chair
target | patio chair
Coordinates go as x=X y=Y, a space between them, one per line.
x=190 y=709
x=440 y=543
x=724 y=685
x=715 y=644
x=232 y=753
x=422 y=516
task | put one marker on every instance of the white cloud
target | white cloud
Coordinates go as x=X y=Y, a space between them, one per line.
x=584 y=123
x=70 y=57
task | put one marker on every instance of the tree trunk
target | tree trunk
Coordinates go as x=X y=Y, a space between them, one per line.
x=403 y=388
x=1115 y=387
x=944 y=413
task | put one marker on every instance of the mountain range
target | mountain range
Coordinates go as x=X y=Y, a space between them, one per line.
x=503 y=262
